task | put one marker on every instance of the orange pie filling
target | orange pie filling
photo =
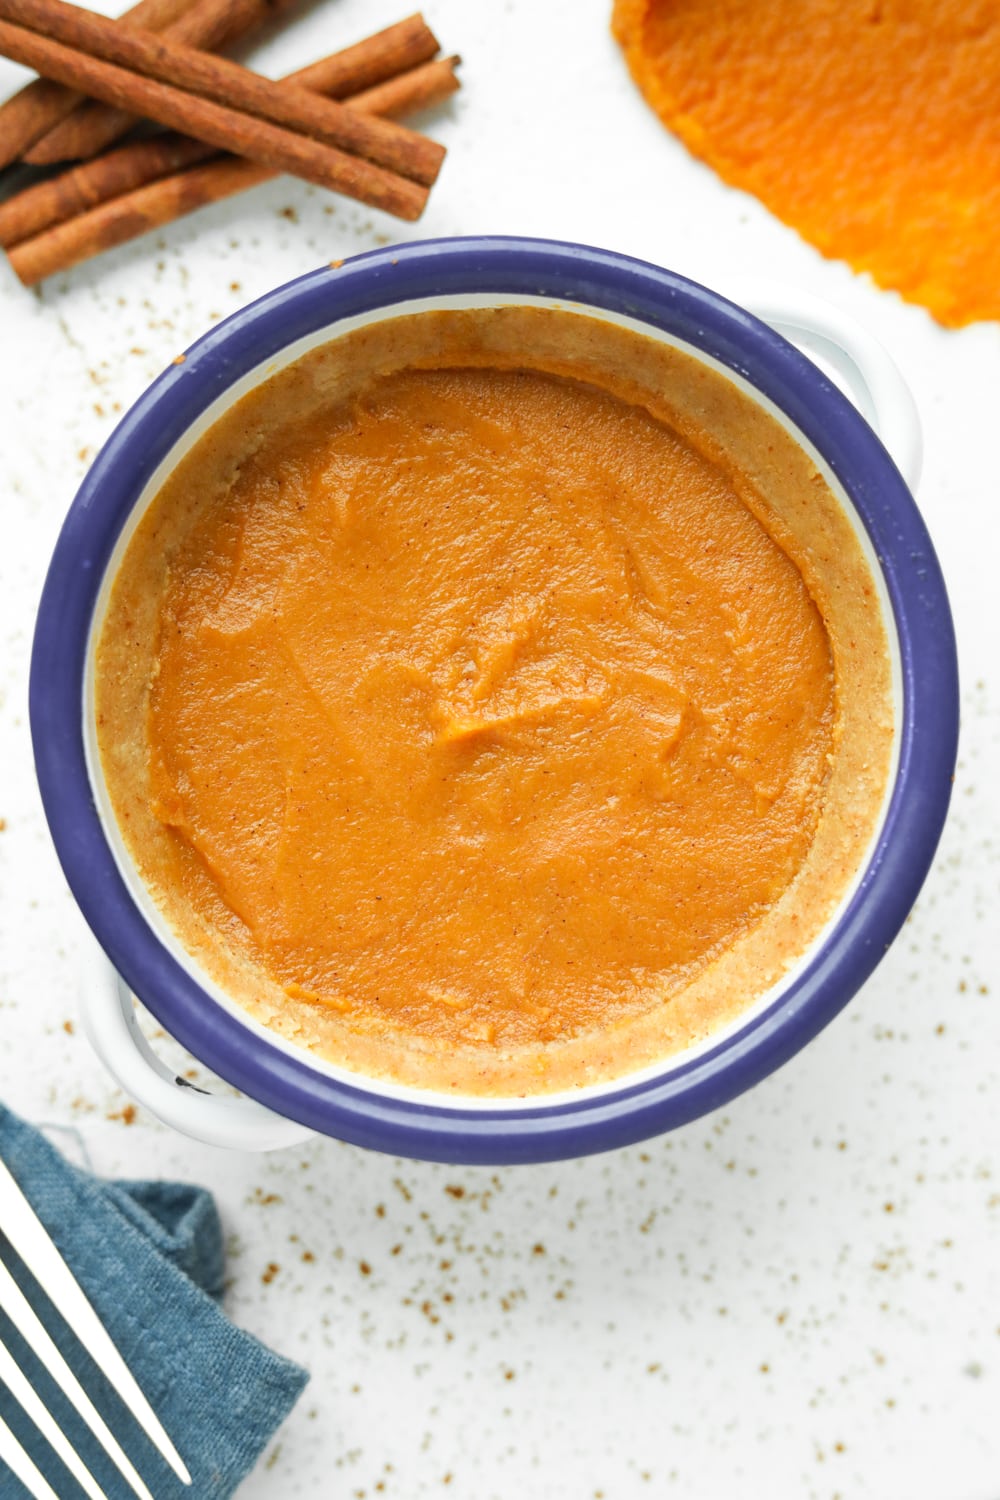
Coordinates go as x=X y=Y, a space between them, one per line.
x=482 y=722
x=871 y=128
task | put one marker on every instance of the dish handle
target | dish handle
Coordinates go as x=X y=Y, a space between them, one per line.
x=870 y=374
x=234 y=1122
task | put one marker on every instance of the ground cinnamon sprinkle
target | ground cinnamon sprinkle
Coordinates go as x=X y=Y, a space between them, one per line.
x=872 y=128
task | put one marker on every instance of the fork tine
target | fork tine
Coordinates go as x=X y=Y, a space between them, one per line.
x=22 y=1315
x=20 y=1388
x=30 y=1239
x=21 y=1466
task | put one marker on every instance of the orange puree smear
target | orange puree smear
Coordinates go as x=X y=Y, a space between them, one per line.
x=489 y=708
x=870 y=126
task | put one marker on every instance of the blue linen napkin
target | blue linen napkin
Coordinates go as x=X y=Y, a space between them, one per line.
x=150 y=1257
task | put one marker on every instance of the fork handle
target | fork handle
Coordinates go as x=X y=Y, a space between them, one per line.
x=107 y=1010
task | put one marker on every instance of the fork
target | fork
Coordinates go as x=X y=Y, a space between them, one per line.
x=22 y=1228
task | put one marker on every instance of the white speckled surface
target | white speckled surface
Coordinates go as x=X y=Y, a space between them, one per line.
x=797 y=1297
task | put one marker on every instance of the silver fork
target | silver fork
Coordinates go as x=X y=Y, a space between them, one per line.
x=22 y=1227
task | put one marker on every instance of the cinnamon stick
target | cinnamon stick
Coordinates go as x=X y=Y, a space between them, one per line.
x=259 y=140
x=92 y=126
x=82 y=188
x=386 y=55
x=29 y=114
x=156 y=59
x=409 y=93
x=150 y=207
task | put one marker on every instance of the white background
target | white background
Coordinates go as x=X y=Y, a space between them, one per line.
x=797 y=1297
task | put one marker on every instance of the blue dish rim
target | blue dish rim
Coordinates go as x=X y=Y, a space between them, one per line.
x=568 y=273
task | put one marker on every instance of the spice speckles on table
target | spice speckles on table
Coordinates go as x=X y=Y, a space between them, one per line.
x=798 y=1296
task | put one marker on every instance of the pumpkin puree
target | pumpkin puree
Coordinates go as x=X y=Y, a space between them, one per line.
x=870 y=126
x=494 y=700
x=489 y=706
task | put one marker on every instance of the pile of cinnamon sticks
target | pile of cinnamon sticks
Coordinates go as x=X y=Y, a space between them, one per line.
x=227 y=128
